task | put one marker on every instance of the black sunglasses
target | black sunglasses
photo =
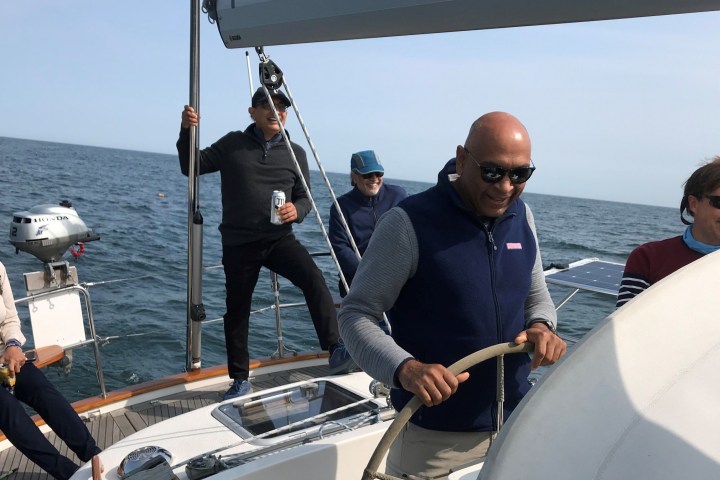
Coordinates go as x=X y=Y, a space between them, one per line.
x=714 y=200
x=368 y=176
x=280 y=107
x=493 y=173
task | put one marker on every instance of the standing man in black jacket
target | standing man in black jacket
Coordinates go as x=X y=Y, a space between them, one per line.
x=252 y=164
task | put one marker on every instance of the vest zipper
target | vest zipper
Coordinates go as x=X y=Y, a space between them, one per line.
x=491 y=254
x=492 y=247
x=497 y=407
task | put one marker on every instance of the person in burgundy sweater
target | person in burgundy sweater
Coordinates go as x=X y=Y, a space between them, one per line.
x=651 y=262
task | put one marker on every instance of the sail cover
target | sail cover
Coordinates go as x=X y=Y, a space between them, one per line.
x=249 y=23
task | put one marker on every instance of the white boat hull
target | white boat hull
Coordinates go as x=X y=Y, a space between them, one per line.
x=339 y=456
x=637 y=398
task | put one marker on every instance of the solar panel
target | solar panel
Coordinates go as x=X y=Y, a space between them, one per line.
x=595 y=276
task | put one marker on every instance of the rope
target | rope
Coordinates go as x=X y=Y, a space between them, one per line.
x=77 y=253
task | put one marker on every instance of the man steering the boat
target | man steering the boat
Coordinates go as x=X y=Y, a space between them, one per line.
x=460 y=266
x=253 y=164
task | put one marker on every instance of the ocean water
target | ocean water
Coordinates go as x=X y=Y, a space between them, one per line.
x=137 y=203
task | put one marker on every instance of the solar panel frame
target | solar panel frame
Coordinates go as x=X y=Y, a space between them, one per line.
x=596 y=276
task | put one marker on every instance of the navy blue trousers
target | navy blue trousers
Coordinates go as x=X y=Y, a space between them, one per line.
x=33 y=389
x=286 y=257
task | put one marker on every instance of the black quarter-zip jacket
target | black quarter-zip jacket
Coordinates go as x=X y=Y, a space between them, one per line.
x=249 y=172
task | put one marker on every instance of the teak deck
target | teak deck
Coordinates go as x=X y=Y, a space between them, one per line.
x=109 y=428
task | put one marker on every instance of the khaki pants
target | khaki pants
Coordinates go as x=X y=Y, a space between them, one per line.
x=430 y=454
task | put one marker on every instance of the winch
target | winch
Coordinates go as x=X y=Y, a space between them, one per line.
x=47 y=231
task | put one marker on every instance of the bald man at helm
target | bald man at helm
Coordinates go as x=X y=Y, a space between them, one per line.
x=460 y=266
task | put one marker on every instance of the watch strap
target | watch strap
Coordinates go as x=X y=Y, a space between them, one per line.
x=547 y=324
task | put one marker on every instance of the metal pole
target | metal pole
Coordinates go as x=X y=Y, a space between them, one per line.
x=250 y=82
x=278 y=323
x=195 y=308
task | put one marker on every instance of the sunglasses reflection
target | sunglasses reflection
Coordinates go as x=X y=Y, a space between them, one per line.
x=493 y=173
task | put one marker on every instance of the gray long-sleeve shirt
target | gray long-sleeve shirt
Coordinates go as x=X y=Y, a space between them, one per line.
x=390 y=260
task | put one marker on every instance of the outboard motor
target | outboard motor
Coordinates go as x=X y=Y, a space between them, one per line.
x=47 y=231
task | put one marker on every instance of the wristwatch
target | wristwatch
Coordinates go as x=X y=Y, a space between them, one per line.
x=548 y=324
x=13 y=343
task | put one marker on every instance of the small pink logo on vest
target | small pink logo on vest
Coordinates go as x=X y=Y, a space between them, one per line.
x=514 y=246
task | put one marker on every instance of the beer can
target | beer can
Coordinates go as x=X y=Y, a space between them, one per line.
x=5 y=379
x=278 y=200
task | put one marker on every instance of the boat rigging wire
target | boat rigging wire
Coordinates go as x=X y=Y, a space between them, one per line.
x=250 y=82
x=272 y=76
x=277 y=431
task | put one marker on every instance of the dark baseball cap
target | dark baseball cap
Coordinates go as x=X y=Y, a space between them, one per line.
x=259 y=97
x=365 y=162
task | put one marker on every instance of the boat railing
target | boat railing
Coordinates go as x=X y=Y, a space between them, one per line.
x=94 y=340
x=277 y=306
x=588 y=275
x=87 y=320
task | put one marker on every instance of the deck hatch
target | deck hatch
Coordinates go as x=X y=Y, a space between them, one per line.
x=280 y=413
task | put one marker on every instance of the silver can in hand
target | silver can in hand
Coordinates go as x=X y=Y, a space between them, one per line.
x=278 y=200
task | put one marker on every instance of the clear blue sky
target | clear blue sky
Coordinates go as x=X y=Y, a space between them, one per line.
x=621 y=110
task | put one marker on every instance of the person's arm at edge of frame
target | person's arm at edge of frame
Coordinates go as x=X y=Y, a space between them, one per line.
x=10 y=328
x=539 y=312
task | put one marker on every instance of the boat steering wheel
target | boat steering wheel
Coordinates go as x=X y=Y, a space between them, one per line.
x=406 y=413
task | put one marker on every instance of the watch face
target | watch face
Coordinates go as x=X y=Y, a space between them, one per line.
x=549 y=325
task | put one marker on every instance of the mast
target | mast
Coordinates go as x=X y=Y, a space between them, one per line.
x=195 y=307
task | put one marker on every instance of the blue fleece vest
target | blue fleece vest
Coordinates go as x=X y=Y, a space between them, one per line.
x=468 y=293
x=362 y=213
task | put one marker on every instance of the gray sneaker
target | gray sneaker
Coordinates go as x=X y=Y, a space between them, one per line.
x=238 y=389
